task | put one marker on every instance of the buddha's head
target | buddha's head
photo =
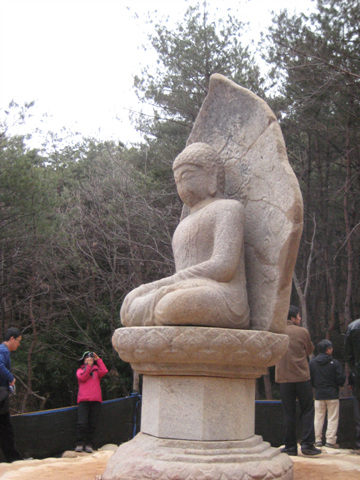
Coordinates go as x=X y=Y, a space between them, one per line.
x=199 y=173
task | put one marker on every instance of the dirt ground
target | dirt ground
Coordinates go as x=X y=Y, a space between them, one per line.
x=330 y=465
x=81 y=467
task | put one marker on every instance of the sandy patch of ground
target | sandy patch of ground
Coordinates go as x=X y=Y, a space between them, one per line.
x=81 y=467
x=331 y=464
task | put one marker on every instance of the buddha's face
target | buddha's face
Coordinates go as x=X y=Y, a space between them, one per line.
x=195 y=183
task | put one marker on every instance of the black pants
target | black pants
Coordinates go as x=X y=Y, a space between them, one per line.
x=88 y=416
x=304 y=393
x=357 y=421
x=7 y=439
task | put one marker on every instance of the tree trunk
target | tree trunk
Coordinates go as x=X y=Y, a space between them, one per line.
x=347 y=310
x=303 y=294
x=31 y=349
x=330 y=280
x=302 y=301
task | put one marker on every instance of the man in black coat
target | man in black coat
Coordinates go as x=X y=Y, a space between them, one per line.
x=352 y=357
x=326 y=377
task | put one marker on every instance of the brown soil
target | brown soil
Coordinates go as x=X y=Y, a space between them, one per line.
x=342 y=465
x=81 y=467
x=331 y=465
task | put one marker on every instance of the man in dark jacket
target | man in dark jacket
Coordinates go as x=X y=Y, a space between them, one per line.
x=326 y=377
x=7 y=441
x=352 y=357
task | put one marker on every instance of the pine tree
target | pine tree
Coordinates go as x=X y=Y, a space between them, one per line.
x=316 y=61
x=187 y=56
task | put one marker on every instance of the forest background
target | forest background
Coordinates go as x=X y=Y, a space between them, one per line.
x=84 y=223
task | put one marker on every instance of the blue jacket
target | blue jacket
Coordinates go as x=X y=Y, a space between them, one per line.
x=6 y=376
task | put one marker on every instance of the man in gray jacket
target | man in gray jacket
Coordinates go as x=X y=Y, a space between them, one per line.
x=293 y=374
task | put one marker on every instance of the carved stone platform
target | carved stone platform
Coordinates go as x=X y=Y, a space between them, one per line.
x=198 y=405
x=216 y=352
x=147 y=457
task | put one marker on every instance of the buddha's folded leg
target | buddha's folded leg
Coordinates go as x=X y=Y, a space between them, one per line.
x=202 y=306
x=139 y=305
x=139 y=312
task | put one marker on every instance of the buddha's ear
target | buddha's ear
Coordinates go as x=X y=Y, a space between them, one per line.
x=212 y=180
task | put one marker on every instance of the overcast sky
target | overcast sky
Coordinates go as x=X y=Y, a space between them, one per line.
x=76 y=58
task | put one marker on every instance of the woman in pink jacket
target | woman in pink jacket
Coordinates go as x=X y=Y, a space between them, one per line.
x=89 y=399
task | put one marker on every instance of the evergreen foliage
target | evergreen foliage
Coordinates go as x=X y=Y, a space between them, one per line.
x=316 y=59
x=187 y=56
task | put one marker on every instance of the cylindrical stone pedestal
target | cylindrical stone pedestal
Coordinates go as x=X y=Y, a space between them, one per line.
x=198 y=405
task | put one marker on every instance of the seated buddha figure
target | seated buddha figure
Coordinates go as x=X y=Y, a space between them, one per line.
x=208 y=287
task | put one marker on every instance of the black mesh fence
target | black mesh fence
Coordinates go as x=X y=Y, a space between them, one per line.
x=50 y=433
x=269 y=422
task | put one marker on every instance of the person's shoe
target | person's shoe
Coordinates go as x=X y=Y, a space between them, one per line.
x=318 y=444
x=289 y=450
x=78 y=448
x=310 y=450
x=332 y=445
x=88 y=449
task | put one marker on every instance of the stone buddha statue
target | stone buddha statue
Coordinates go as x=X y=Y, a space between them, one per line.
x=209 y=286
x=243 y=208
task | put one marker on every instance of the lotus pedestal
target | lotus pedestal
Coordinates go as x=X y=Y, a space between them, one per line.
x=198 y=405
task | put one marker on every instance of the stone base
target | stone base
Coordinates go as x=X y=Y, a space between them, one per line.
x=151 y=458
x=198 y=408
